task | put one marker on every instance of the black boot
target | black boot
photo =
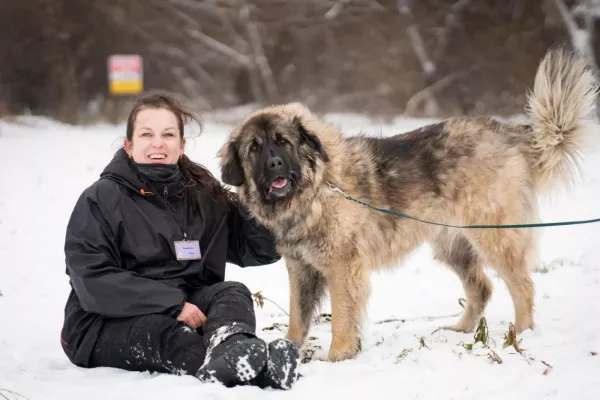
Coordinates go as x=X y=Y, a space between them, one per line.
x=236 y=360
x=281 y=370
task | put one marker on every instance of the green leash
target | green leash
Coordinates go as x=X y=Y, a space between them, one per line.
x=401 y=214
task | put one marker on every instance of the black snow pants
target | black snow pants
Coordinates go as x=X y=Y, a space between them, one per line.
x=159 y=343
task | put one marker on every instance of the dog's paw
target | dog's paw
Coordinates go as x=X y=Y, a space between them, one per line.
x=462 y=328
x=524 y=324
x=343 y=350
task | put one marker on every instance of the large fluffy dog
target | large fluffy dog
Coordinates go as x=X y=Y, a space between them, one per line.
x=461 y=171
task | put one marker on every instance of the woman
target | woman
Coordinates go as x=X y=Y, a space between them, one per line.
x=146 y=247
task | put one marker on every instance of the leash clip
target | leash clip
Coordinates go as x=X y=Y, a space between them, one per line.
x=337 y=189
x=334 y=188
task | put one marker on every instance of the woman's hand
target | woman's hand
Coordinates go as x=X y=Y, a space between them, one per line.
x=191 y=315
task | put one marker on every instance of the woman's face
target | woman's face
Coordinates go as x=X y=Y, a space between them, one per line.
x=156 y=137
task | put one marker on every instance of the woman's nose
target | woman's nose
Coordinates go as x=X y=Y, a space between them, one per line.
x=157 y=141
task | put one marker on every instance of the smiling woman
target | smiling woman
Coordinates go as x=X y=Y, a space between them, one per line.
x=146 y=249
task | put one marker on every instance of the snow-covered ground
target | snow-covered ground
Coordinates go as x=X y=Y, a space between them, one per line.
x=44 y=167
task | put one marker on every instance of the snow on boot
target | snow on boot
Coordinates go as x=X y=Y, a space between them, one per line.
x=282 y=366
x=236 y=360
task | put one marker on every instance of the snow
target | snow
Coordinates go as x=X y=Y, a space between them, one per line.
x=45 y=165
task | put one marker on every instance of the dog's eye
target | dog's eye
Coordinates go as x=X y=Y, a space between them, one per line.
x=282 y=141
x=253 y=147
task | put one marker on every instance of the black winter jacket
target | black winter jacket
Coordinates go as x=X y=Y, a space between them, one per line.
x=120 y=256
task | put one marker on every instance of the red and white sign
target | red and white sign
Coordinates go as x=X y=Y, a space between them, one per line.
x=125 y=74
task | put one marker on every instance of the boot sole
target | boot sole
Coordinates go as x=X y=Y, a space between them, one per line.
x=240 y=364
x=282 y=364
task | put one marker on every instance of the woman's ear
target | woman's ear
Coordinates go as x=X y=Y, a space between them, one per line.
x=231 y=168
x=127 y=146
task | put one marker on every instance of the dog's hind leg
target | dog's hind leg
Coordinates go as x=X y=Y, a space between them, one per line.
x=349 y=288
x=463 y=259
x=511 y=253
x=307 y=289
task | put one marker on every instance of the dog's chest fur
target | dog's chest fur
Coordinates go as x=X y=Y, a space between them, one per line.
x=305 y=237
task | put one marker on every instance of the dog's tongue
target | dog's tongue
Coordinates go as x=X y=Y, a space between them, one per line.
x=279 y=183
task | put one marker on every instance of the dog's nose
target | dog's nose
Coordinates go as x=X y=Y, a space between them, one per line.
x=275 y=162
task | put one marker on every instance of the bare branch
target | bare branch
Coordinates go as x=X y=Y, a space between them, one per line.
x=416 y=40
x=450 y=21
x=190 y=64
x=203 y=6
x=220 y=47
x=428 y=92
x=176 y=12
x=238 y=39
x=567 y=18
x=428 y=66
x=336 y=9
x=259 y=54
x=581 y=38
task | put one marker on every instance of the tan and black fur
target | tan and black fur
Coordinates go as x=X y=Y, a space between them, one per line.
x=461 y=171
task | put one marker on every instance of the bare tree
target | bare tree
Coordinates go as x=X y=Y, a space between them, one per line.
x=427 y=64
x=387 y=57
x=63 y=63
x=581 y=33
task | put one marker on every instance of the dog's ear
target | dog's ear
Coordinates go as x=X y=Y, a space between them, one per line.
x=231 y=168
x=310 y=139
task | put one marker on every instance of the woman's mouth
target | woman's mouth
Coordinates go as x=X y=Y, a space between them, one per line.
x=158 y=157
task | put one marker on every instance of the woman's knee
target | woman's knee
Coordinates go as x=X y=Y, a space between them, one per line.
x=227 y=289
x=237 y=290
x=222 y=294
x=237 y=287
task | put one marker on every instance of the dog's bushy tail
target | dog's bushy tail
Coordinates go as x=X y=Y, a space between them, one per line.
x=560 y=108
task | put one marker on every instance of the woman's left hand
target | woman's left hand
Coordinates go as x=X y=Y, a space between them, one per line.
x=191 y=315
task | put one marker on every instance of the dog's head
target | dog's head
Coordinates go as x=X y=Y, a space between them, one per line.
x=273 y=156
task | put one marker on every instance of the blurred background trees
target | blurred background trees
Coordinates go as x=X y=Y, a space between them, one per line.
x=383 y=57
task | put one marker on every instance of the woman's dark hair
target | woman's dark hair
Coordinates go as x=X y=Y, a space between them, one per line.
x=194 y=173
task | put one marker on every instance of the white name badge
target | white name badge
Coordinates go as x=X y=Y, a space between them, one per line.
x=187 y=250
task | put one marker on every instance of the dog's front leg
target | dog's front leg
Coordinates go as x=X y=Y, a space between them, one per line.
x=307 y=287
x=349 y=288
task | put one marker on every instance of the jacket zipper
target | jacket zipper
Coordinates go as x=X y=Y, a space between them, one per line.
x=169 y=205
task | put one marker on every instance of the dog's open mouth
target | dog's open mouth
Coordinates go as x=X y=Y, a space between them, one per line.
x=279 y=184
